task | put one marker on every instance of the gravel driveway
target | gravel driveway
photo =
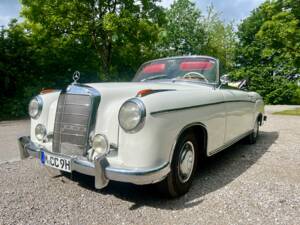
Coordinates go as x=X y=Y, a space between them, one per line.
x=257 y=184
x=9 y=131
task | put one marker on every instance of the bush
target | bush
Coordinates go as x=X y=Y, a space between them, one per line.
x=296 y=97
x=274 y=89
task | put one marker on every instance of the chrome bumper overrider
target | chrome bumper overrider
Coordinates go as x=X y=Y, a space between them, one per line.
x=100 y=168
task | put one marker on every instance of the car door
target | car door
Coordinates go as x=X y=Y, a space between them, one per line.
x=215 y=120
x=239 y=113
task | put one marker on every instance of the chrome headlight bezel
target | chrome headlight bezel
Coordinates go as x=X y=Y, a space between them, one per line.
x=40 y=132
x=105 y=140
x=142 y=114
x=36 y=100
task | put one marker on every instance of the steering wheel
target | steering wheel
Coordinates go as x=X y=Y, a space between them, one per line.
x=193 y=74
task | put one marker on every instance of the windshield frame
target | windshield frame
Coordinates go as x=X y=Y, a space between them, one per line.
x=217 y=80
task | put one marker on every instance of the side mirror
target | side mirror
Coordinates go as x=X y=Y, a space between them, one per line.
x=224 y=79
x=243 y=85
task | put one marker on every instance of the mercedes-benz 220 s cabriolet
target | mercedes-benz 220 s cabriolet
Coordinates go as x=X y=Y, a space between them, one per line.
x=155 y=129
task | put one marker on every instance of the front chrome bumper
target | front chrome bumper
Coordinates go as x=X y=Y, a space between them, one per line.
x=100 y=168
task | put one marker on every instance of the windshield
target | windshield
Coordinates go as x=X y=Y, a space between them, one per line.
x=189 y=68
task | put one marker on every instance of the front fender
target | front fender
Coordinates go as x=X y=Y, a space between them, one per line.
x=154 y=143
x=47 y=115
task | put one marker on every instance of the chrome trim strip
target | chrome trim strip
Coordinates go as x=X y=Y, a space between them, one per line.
x=138 y=176
x=78 y=104
x=75 y=114
x=197 y=106
x=69 y=134
x=154 y=91
x=229 y=143
x=100 y=168
x=61 y=119
x=182 y=57
x=84 y=167
x=80 y=125
x=40 y=101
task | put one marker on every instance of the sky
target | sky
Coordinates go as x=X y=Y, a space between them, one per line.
x=8 y=9
x=231 y=10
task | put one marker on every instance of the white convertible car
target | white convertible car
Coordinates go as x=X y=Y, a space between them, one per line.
x=155 y=129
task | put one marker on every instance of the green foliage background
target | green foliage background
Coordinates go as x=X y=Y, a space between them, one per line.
x=268 y=51
x=108 y=40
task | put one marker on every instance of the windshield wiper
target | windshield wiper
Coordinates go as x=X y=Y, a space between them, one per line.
x=154 y=77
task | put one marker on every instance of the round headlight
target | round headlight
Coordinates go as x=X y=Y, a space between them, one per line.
x=40 y=132
x=132 y=114
x=100 y=144
x=35 y=107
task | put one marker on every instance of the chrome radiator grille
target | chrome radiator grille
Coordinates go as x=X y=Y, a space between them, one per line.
x=72 y=124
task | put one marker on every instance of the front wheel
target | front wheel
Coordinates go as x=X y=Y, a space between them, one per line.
x=252 y=138
x=183 y=166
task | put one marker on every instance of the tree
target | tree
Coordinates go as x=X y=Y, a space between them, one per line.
x=268 y=51
x=183 y=32
x=220 y=39
x=110 y=28
x=188 y=32
x=16 y=65
x=102 y=39
x=29 y=63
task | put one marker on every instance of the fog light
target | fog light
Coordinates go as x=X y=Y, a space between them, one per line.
x=100 y=144
x=40 y=132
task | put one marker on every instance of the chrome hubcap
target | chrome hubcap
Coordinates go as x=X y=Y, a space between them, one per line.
x=186 y=161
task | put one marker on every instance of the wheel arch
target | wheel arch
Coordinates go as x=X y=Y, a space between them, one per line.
x=200 y=132
x=259 y=118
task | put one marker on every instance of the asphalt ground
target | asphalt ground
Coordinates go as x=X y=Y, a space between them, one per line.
x=245 y=184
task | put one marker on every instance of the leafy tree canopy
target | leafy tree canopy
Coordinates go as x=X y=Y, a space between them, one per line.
x=116 y=30
x=268 y=51
x=188 y=32
x=109 y=39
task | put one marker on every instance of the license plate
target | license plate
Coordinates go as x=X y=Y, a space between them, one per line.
x=56 y=162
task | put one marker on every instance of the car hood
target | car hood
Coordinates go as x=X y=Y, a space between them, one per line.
x=113 y=95
x=130 y=89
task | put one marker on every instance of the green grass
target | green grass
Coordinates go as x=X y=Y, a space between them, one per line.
x=290 y=112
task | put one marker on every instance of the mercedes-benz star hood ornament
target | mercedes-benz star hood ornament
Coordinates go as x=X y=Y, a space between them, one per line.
x=76 y=76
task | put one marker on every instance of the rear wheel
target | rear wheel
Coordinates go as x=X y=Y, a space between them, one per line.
x=183 y=166
x=252 y=138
